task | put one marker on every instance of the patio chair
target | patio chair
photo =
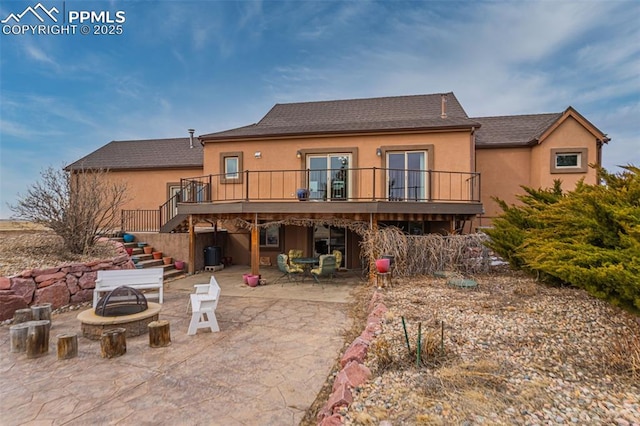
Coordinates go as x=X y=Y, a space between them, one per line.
x=293 y=253
x=290 y=271
x=327 y=267
x=203 y=307
x=338 y=256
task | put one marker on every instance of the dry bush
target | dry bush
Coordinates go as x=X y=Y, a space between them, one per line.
x=623 y=356
x=426 y=254
x=482 y=374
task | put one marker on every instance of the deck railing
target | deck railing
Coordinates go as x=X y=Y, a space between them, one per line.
x=365 y=184
x=349 y=184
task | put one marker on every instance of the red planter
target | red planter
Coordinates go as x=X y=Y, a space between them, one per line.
x=244 y=278
x=179 y=265
x=382 y=265
x=129 y=251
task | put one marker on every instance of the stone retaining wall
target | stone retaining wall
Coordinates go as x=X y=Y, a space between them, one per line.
x=62 y=285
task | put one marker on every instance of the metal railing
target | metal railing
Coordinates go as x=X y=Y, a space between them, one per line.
x=140 y=220
x=362 y=184
x=348 y=184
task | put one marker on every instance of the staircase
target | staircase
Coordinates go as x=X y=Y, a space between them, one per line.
x=170 y=273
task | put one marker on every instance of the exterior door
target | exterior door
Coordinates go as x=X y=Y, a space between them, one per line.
x=326 y=239
x=407 y=175
x=329 y=176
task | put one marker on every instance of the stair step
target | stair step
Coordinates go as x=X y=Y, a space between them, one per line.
x=173 y=274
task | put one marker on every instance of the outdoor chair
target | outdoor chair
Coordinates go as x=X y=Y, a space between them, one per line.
x=290 y=271
x=203 y=307
x=338 y=255
x=294 y=253
x=327 y=267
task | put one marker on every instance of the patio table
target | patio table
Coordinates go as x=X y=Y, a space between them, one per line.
x=307 y=263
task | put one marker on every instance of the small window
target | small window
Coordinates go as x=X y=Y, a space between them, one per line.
x=231 y=167
x=270 y=236
x=568 y=160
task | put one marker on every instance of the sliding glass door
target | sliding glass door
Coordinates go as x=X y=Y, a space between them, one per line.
x=329 y=176
x=407 y=175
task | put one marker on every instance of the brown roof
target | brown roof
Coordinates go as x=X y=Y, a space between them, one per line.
x=355 y=115
x=513 y=130
x=143 y=154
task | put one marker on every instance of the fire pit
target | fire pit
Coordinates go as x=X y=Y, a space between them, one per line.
x=123 y=307
x=121 y=301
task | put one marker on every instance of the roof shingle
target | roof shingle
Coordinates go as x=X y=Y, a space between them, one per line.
x=143 y=154
x=513 y=130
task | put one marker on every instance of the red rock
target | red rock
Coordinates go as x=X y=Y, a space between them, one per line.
x=82 y=296
x=48 y=271
x=357 y=351
x=88 y=280
x=340 y=397
x=72 y=283
x=56 y=294
x=378 y=312
x=352 y=375
x=375 y=299
x=102 y=266
x=79 y=268
x=323 y=413
x=5 y=283
x=9 y=304
x=40 y=278
x=27 y=273
x=333 y=420
x=24 y=287
x=121 y=259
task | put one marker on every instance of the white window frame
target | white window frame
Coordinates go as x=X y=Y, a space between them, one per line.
x=581 y=160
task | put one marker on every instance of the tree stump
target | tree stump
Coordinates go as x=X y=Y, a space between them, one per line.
x=18 y=334
x=113 y=343
x=159 y=334
x=22 y=315
x=38 y=338
x=384 y=279
x=41 y=312
x=67 y=345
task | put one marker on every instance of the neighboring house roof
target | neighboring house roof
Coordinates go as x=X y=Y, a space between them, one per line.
x=355 y=115
x=143 y=154
x=513 y=130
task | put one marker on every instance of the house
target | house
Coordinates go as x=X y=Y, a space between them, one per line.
x=309 y=175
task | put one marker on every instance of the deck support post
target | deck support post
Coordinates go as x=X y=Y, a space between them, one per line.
x=255 y=247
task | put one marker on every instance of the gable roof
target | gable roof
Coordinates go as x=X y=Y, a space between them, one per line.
x=527 y=130
x=513 y=130
x=417 y=112
x=143 y=154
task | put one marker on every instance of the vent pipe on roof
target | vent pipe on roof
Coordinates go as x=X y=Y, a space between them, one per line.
x=443 y=106
x=191 y=137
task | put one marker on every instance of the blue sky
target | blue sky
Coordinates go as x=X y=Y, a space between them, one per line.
x=214 y=65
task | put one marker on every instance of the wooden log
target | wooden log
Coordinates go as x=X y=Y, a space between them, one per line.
x=384 y=279
x=159 y=334
x=67 y=345
x=113 y=343
x=18 y=334
x=22 y=315
x=38 y=338
x=41 y=312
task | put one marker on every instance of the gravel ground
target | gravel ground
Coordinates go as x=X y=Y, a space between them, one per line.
x=515 y=352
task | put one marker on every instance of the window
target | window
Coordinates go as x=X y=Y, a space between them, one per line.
x=568 y=160
x=270 y=236
x=407 y=175
x=231 y=167
x=329 y=176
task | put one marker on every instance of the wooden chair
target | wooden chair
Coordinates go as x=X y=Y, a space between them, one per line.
x=203 y=307
x=289 y=271
x=327 y=267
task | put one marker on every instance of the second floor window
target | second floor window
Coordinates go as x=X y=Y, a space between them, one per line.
x=231 y=166
x=407 y=175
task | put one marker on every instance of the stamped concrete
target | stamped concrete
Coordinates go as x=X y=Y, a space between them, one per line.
x=276 y=346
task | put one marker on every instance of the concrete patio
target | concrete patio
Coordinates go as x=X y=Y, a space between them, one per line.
x=276 y=346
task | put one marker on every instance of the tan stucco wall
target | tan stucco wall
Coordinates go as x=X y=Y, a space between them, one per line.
x=570 y=134
x=448 y=151
x=147 y=189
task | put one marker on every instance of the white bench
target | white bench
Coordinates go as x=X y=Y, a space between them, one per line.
x=140 y=279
